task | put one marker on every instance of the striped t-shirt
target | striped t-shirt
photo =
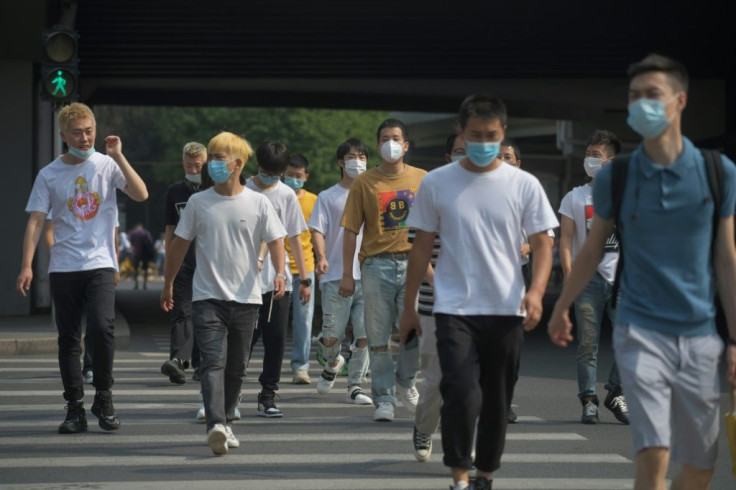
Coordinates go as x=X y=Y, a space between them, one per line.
x=426 y=291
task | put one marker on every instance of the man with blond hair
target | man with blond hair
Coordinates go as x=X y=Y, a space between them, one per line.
x=183 y=348
x=78 y=190
x=226 y=293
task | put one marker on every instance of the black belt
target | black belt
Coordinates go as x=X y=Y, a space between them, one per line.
x=392 y=255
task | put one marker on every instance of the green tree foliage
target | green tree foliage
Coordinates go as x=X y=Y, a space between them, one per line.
x=154 y=136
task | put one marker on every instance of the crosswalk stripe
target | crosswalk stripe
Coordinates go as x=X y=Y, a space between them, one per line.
x=56 y=440
x=327 y=483
x=290 y=459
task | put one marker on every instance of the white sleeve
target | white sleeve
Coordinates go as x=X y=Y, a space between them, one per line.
x=271 y=227
x=318 y=221
x=185 y=229
x=293 y=217
x=566 y=205
x=40 y=199
x=423 y=215
x=538 y=215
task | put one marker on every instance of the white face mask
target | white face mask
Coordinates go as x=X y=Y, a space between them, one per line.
x=354 y=167
x=193 y=178
x=391 y=151
x=592 y=165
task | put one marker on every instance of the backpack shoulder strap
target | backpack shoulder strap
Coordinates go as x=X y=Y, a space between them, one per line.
x=619 y=172
x=714 y=170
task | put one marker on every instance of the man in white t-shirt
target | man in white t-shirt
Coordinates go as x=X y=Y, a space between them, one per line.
x=338 y=310
x=273 y=158
x=576 y=210
x=229 y=223
x=481 y=305
x=78 y=191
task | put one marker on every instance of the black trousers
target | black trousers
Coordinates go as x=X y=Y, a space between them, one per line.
x=273 y=333
x=478 y=356
x=91 y=293
x=182 y=344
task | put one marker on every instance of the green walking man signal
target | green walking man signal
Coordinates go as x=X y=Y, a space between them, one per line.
x=59 y=65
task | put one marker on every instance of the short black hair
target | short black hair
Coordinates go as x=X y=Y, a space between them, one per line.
x=392 y=123
x=675 y=71
x=299 y=161
x=273 y=157
x=450 y=142
x=606 y=138
x=484 y=106
x=512 y=144
x=351 y=144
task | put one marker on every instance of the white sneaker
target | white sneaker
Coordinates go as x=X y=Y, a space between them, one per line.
x=327 y=379
x=217 y=439
x=200 y=413
x=409 y=396
x=357 y=396
x=384 y=412
x=232 y=441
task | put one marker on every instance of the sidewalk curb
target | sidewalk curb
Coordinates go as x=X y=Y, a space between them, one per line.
x=49 y=344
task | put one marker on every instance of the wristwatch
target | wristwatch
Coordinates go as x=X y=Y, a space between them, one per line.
x=282 y=276
x=306 y=282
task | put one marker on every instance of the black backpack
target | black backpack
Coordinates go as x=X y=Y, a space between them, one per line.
x=714 y=170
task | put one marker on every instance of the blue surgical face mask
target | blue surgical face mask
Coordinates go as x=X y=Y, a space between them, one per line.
x=294 y=183
x=218 y=171
x=482 y=154
x=647 y=117
x=268 y=180
x=82 y=155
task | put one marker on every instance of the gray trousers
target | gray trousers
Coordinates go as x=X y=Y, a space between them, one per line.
x=223 y=330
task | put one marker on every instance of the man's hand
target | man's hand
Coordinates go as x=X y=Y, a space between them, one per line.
x=559 y=327
x=525 y=250
x=24 y=280
x=322 y=266
x=305 y=293
x=113 y=146
x=409 y=321
x=167 y=298
x=279 y=287
x=347 y=285
x=532 y=305
x=117 y=277
x=731 y=365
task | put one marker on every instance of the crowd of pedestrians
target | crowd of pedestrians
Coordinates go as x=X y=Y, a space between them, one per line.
x=457 y=258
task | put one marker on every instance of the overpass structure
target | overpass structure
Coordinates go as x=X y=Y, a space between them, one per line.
x=559 y=66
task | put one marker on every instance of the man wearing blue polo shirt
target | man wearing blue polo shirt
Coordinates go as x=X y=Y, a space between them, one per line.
x=665 y=339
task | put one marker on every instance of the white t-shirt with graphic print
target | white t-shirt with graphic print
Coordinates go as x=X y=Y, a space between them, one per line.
x=81 y=202
x=578 y=206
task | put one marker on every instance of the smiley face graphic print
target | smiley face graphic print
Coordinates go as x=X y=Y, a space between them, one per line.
x=394 y=208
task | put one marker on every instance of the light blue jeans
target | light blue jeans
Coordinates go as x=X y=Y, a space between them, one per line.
x=384 y=280
x=336 y=312
x=301 y=326
x=593 y=301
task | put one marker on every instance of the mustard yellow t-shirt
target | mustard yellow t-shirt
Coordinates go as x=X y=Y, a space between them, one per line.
x=382 y=202
x=306 y=202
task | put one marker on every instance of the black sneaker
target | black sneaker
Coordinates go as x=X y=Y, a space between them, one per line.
x=422 y=445
x=195 y=375
x=75 y=421
x=174 y=369
x=590 y=412
x=616 y=402
x=480 y=483
x=511 y=416
x=104 y=411
x=267 y=406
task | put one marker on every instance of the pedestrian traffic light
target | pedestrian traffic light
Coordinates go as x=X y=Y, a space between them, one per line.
x=59 y=65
